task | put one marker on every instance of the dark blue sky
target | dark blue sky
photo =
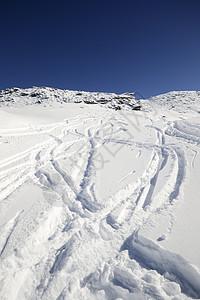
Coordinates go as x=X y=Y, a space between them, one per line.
x=146 y=46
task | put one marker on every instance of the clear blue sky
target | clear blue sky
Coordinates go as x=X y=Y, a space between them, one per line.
x=146 y=46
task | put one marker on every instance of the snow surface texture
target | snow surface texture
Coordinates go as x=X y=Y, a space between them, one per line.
x=98 y=203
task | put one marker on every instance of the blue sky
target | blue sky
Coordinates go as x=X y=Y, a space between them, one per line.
x=149 y=47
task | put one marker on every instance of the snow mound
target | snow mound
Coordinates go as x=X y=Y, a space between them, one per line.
x=171 y=265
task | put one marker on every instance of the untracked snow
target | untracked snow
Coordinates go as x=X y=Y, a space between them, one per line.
x=99 y=195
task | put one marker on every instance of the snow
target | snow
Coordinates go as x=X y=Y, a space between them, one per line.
x=99 y=201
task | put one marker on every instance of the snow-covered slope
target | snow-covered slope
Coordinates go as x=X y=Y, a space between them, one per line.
x=181 y=101
x=98 y=203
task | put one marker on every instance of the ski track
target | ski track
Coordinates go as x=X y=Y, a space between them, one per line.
x=64 y=250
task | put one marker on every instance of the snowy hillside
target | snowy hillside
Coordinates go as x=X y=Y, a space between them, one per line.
x=99 y=203
x=183 y=101
x=50 y=96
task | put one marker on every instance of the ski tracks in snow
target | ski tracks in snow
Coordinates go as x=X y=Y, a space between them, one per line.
x=76 y=245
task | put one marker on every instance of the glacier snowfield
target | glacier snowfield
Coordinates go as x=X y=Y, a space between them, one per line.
x=99 y=195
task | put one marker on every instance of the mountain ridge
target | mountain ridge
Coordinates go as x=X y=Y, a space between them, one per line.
x=46 y=95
